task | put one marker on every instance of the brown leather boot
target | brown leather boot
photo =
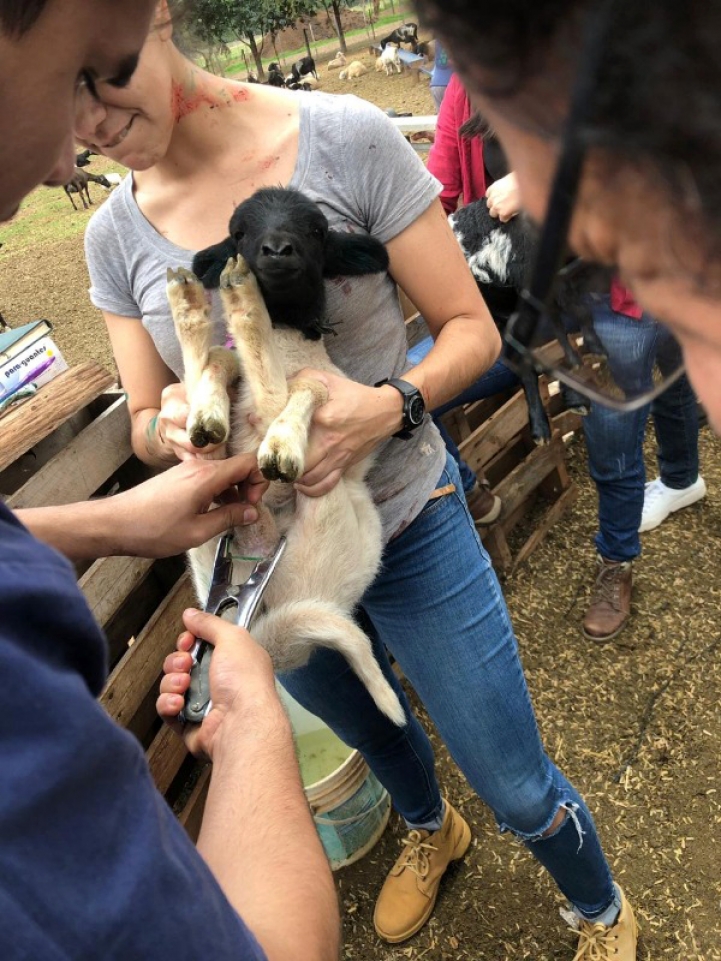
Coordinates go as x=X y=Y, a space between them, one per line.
x=409 y=894
x=610 y=606
x=484 y=506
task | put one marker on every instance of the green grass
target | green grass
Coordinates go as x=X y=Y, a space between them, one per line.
x=46 y=215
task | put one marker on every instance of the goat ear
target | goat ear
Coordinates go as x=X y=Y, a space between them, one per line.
x=208 y=264
x=351 y=255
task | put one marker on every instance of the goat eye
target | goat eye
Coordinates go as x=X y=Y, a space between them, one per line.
x=238 y=235
x=318 y=233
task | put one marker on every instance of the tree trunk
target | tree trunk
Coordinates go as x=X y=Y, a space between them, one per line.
x=339 y=26
x=256 y=56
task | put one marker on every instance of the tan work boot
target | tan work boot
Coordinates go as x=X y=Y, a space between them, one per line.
x=484 y=506
x=610 y=606
x=596 y=942
x=410 y=890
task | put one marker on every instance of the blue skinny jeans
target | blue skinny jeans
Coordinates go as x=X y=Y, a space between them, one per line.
x=614 y=440
x=496 y=379
x=438 y=607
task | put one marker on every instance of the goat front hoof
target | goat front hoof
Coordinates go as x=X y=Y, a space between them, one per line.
x=235 y=273
x=184 y=289
x=278 y=461
x=208 y=430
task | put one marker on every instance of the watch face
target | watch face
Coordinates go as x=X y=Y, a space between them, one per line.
x=416 y=410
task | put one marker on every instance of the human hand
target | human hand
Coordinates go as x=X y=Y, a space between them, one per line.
x=167 y=431
x=241 y=679
x=344 y=430
x=504 y=198
x=173 y=511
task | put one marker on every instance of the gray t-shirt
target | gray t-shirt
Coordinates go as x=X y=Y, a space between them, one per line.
x=366 y=178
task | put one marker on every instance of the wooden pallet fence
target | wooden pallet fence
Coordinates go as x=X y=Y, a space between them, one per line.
x=493 y=437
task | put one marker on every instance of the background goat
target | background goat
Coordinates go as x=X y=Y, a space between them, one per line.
x=78 y=184
x=390 y=61
x=354 y=69
x=500 y=257
x=302 y=67
x=275 y=75
x=338 y=61
x=408 y=33
x=271 y=273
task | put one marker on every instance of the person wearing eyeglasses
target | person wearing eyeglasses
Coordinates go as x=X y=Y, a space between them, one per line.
x=610 y=115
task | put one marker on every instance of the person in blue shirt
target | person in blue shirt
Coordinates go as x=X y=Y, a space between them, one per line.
x=440 y=75
x=92 y=861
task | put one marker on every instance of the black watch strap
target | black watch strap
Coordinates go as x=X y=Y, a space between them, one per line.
x=414 y=407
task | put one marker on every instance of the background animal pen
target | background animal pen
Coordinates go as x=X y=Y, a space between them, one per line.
x=71 y=441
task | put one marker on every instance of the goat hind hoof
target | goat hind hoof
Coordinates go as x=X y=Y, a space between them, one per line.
x=207 y=432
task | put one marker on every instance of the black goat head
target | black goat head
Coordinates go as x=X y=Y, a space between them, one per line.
x=287 y=243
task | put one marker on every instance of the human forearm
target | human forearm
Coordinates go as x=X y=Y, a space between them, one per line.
x=85 y=530
x=464 y=350
x=178 y=509
x=261 y=844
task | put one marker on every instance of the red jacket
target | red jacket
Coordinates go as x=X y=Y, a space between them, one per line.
x=455 y=161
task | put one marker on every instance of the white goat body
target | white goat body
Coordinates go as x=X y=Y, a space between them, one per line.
x=333 y=542
x=390 y=60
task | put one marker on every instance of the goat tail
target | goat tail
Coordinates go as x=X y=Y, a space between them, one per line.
x=293 y=630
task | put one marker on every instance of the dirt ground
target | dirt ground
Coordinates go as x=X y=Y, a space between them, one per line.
x=634 y=723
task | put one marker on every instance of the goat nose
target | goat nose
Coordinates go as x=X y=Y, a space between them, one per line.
x=276 y=248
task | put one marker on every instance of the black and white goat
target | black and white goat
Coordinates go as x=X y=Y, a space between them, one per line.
x=500 y=256
x=407 y=33
x=271 y=271
x=306 y=65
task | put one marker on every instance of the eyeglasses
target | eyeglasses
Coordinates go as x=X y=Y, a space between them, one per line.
x=540 y=335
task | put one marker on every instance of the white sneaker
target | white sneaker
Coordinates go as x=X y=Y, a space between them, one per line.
x=659 y=501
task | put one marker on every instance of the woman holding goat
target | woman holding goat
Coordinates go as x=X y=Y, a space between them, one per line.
x=198 y=145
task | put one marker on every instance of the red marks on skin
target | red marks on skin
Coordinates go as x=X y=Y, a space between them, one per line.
x=185 y=103
x=269 y=162
x=347 y=288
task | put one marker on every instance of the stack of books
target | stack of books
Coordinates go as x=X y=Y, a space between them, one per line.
x=29 y=358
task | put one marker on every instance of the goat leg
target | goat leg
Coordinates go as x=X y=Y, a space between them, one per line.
x=208 y=371
x=537 y=418
x=281 y=456
x=250 y=326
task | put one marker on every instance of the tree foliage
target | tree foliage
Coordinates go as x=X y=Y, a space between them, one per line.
x=251 y=21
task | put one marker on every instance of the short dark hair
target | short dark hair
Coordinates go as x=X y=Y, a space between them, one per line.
x=17 y=16
x=656 y=104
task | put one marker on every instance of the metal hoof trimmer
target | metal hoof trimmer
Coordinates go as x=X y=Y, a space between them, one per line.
x=221 y=597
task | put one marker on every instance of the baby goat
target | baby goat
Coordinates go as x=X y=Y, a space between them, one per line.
x=271 y=273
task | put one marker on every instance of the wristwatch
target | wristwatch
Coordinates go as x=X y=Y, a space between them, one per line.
x=414 y=407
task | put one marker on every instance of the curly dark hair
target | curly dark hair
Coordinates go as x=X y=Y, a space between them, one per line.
x=17 y=16
x=656 y=102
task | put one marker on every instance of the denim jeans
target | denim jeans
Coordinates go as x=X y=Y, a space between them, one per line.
x=614 y=440
x=438 y=607
x=496 y=379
